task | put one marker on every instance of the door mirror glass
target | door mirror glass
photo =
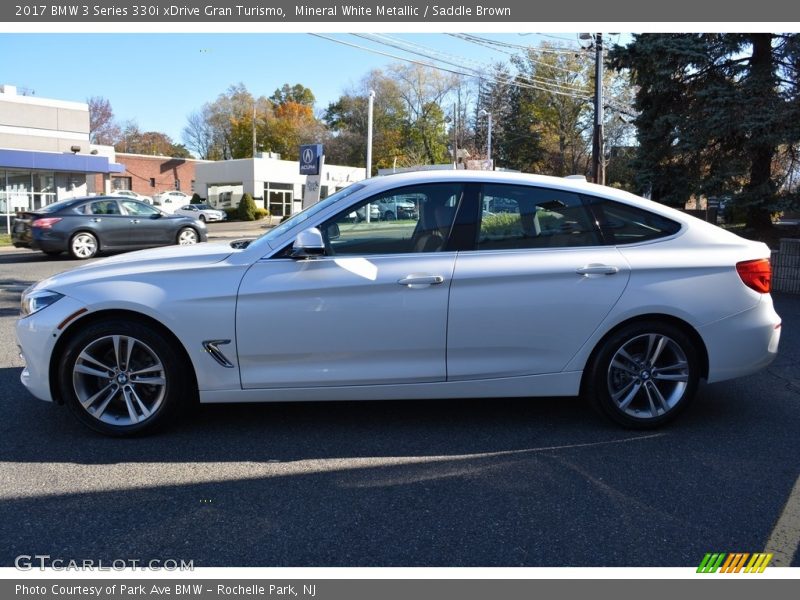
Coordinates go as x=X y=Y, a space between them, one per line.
x=333 y=231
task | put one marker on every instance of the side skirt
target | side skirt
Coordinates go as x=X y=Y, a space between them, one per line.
x=555 y=384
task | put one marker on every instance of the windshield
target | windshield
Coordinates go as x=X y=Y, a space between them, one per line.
x=311 y=211
x=202 y=206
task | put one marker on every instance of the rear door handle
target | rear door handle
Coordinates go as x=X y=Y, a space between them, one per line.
x=597 y=269
x=134 y=220
x=421 y=280
x=96 y=220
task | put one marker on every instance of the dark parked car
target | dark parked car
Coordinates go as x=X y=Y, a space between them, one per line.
x=85 y=226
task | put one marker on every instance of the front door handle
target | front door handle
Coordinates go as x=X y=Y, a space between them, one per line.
x=597 y=269
x=96 y=220
x=134 y=220
x=421 y=280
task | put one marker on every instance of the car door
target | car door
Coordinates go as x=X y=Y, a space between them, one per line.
x=148 y=226
x=373 y=310
x=534 y=289
x=109 y=223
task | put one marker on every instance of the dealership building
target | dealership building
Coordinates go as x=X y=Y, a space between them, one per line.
x=45 y=153
x=46 y=156
x=275 y=184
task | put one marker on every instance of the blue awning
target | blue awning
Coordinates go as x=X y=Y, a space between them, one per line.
x=54 y=161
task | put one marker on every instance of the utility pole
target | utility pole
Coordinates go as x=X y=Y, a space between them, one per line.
x=455 y=137
x=369 y=133
x=598 y=165
x=255 y=145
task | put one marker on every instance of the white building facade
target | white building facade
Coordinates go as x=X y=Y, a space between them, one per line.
x=275 y=184
x=45 y=152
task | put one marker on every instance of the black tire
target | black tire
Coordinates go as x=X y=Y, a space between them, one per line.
x=203 y=218
x=117 y=401
x=83 y=245
x=187 y=236
x=389 y=216
x=630 y=380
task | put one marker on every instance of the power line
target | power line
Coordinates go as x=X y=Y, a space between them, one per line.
x=482 y=67
x=510 y=81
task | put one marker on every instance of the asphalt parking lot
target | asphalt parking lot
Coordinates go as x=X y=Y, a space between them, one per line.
x=542 y=482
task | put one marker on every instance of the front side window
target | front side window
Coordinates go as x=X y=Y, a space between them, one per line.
x=518 y=217
x=411 y=219
x=138 y=209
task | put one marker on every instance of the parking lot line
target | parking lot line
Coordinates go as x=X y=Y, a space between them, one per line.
x=785 y=536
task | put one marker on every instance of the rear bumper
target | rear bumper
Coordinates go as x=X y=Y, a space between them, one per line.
x=743 y=343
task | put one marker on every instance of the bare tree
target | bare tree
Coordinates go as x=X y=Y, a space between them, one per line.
x=103 y=129
x=198 y=135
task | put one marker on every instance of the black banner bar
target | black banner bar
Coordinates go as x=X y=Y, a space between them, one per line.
x=395 y=589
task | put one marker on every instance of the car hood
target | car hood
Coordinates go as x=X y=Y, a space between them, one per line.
x=144 y=261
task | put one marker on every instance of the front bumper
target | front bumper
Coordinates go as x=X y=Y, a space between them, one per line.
x=37 y=335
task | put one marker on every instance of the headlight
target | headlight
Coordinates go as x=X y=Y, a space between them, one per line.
x=35 y=301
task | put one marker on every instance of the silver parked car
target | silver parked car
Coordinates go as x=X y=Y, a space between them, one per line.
x=201 y=212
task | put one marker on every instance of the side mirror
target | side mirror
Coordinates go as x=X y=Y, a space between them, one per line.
x=308 y=244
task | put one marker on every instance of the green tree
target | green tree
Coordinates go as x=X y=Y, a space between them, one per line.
x=246 y=211
x=716 y=111
x=346 y=119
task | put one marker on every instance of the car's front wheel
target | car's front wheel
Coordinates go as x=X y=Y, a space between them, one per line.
x=122 y=378
x=83 y=245
x=203 y=218
x=187 y=236
x=644 y=374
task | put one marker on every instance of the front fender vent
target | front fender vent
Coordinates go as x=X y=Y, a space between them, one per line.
x=212 y=347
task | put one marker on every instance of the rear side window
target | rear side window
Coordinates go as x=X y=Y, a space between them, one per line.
x=104 y=207
x=516 y=217
x=624 y=224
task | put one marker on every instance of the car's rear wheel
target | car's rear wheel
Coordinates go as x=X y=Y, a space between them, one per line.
x=122 y=378
x=389 y=216
x=644 y=374
x=187 y=236
x=83 y=245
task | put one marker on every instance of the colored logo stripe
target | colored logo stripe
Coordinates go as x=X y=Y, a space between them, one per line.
x=734 y=562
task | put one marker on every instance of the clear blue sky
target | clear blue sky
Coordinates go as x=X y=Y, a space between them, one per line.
x=158 y=79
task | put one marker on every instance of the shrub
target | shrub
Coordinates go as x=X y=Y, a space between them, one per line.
x=231 y=213
x=246 y=210
x=261 y=213
x=196 y=199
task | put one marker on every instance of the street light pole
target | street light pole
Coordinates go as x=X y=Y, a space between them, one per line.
x=369 y=133
x=598 y=166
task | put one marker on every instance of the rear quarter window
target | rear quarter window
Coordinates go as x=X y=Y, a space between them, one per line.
x=624 y=224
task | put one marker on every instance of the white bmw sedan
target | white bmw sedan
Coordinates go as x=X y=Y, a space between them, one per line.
x=502 y=285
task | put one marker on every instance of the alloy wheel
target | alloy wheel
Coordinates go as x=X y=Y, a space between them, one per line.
x=119 y=380
x=648 y=376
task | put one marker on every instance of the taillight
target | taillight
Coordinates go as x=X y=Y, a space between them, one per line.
x=45 y=223
x=756 y=274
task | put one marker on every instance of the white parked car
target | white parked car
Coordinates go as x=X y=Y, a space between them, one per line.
x=132 y=194
x=201 y=212
x=171 y=201
x=564 y=288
